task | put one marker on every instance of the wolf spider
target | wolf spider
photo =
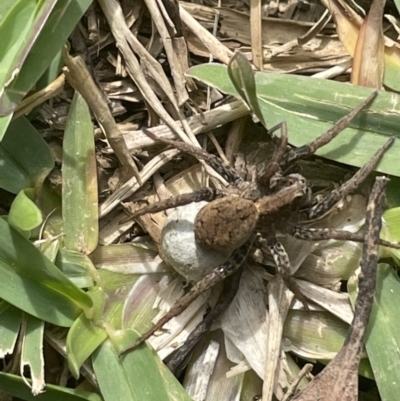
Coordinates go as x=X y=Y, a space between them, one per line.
x=234 y=215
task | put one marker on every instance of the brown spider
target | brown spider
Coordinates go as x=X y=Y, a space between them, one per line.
x=274 y=200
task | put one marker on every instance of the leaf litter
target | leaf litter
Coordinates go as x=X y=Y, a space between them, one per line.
x=142 y=73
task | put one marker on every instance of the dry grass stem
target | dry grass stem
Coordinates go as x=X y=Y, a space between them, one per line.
x=39 y=97
x=256 y=36
x=79 y=77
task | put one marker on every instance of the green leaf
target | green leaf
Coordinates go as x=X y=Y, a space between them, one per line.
x=383 y=333
x=390 y=232
x=25 y=158
x=24 y=214
x=138 y=375
x=86 y=335
x=145 y=367
x=310 y=106
x=77 y=267
x=15 y=386
x=32 y=352
x=10 y=318
x=79 y=192
x=242 y=76
x=4 y=123
x=14 y=30
x=62 y=20
x=113 y=381
x=83 y=339
x=32 y=283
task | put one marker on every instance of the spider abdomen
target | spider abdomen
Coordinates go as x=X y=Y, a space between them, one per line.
x=226 y=223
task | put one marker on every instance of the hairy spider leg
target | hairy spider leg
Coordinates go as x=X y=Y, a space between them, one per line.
x=283 y=266
x=219 y=274
x=327 y=137
x=227 y=172
x=321 y=234
x=295 y=187
x=231 y=287
x=350 y=185
x=203 y=194
x=274 y=165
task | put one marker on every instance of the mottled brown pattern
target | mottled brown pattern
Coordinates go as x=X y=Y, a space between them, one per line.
x=272 y=197
x=233 y=221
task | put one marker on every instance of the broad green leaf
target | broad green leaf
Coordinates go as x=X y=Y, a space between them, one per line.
x=138 y=375
x=113 y=381
x=310 y=106
x=15 y=386
x=383 y=333
x=83 y=339
x=24 y=214
x=79 y=191
x=32 y=283
x=50 y=248
x=318 y=335
x=86 y=335
x=19 y=30
x=14 y=30
x=315 y=335
x=32 y=352
x=10 y=318
x=52 y=71
x=4 y=123
x=145 y=367
x=391 y=232
x=25 y=158
x=5 y=7
x=77 y=267
x=62 y=20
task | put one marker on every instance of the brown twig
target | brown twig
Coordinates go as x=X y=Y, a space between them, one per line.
x=339 y=380
x=80 y=79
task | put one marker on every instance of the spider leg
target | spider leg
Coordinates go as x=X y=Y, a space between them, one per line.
x=294 y=186
x=321 y=234
x=279 y=255
x=325 y=204
x=204 y=194
x=274 y=165
x=181 y=356
x=213 y=161
x=281 y=259
x=344 y=367
x=325 y=138
x=218 y=274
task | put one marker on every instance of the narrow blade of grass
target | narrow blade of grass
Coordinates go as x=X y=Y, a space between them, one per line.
x=79 y=191
x=32 y=353
x=15 y=386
